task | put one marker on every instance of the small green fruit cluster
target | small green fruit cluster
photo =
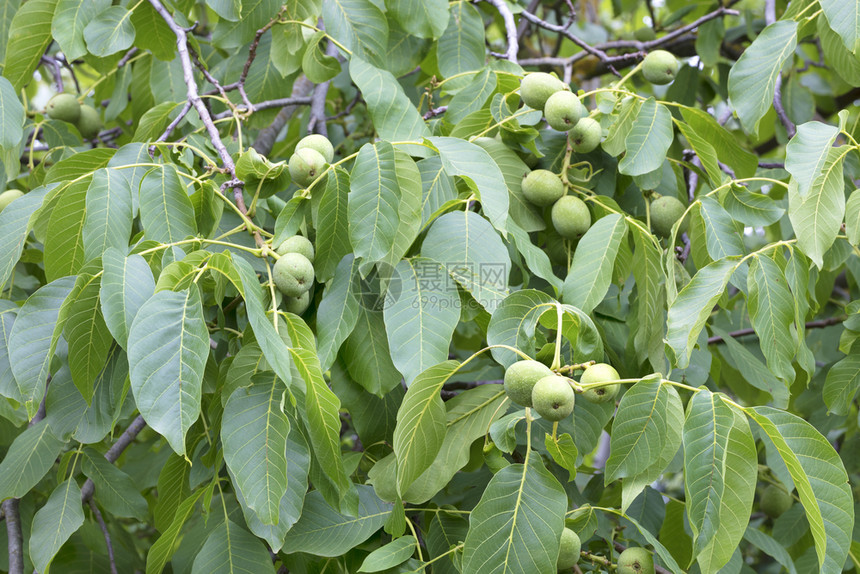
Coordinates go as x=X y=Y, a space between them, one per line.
x=65 y=107
x=562 y=109
x=293 y=273
x=596 y=374
x=665 y=211
x=635 y=561
x=570 y=216
x=660 y=67
x=313 y=153
x=532 y=384
x=8 y=197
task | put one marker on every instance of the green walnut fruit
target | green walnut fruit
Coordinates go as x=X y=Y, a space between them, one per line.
x=660 y=67
x=665 y=211
x=297 y=244
x=297 y=305
x=542 y=187
x=9 y=196
x=599 y=373
x=568 y=550
x=563 y=110
x=306 y=165
x=319 y=144
x=635 y=561
x=64 y=107
x=775 y=500
x=645 y=34
x=293 y=274
x=89 y=124
x=553 y=398
x=520 y=379
x=585 y=135
x=570 y=217
x=537 y=87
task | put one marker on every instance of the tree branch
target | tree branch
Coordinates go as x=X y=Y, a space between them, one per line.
x=780 y=110
x=302 y=88
x=106 y=534
x=267 y=105
x=510 y=29
x=114 y=452
x=819 y=324
x=563 y=30
x=16 y=539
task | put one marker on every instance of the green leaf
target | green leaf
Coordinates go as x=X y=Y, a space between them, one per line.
x=8 y=313
x=254 y=435
x=322 y=531
x=127 y=283
x=166 y=212
x=64 y=245
x=28 y=460
x=118 y=493
x=366 y=354
x=820 y=479
x=230 y=549
x=168 y=345
x=11 y=117
x=750 y=208
x=338 y=310
x=16 y=221
x=817 y=217
x=706 y=435
x=852 y=218
x=70 y=19
x=158 y=37
x=108 y=219
x=7 y=13
x=591 y=272
x=33 y=340
x=360 y=25
x=29 y=37
x=721 y=232
x=844 y=19
x=373 y=202
x=535 y=258
x=770 y=546
x=55 y=522
x=394 y=116
x=392 y=554
x=473 y=97
x=739 y=478
x=317 y=65
x=692 y=307
x=771 y=310
x=422 y=18
x=480 y=173
x=703 y=124
x=514 y=323
x=161 y=551
x=563 y=451
x=421 y=424
x=110 y=32
x=648 y=141
x=517 y=523
x=650 y=299
x=332 y=224
x=421 y=320
x=753 y=370
x=752 y=80
x=640 y=428
x=461 y=46
x=87 y=334
x=806 y=155
x=469 y=248
x=843 y=380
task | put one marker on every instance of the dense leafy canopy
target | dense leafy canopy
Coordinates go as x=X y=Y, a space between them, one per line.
x=228 y=348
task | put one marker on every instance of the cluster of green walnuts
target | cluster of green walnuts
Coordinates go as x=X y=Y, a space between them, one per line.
x=65 y=107
x=532 y=384
x=564 y=112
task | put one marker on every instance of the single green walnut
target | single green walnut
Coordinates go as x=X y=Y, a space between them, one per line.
x=585 y=135
x=9 y=196
x=64 y=107
x=319 y=144
x=568 y=550
x=306 y=165
x=89 y=124
x=665 y=211
x=570 y=217
x=635 y=561
x=542 y=187
x=297 y=244
x=520 y=379
x=660 y=67
x=553 y=398
x=563 y=110
x=775 y=500
x=537 y=87
x=293 y=274
x=645 y=34
x=297 y=305
x=599 y=373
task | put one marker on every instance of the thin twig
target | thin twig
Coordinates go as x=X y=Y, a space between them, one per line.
x=780 y=110
x=433 y=112
x=266 y=138
x=55 y=69
x=267 y=105
x=128 y=56
x=510 y=29
x=163 y=137
x=819 y=324
x=316 y=123
x=114 y=452
x=563 y=30
x=252 y=54
x=106 y=534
